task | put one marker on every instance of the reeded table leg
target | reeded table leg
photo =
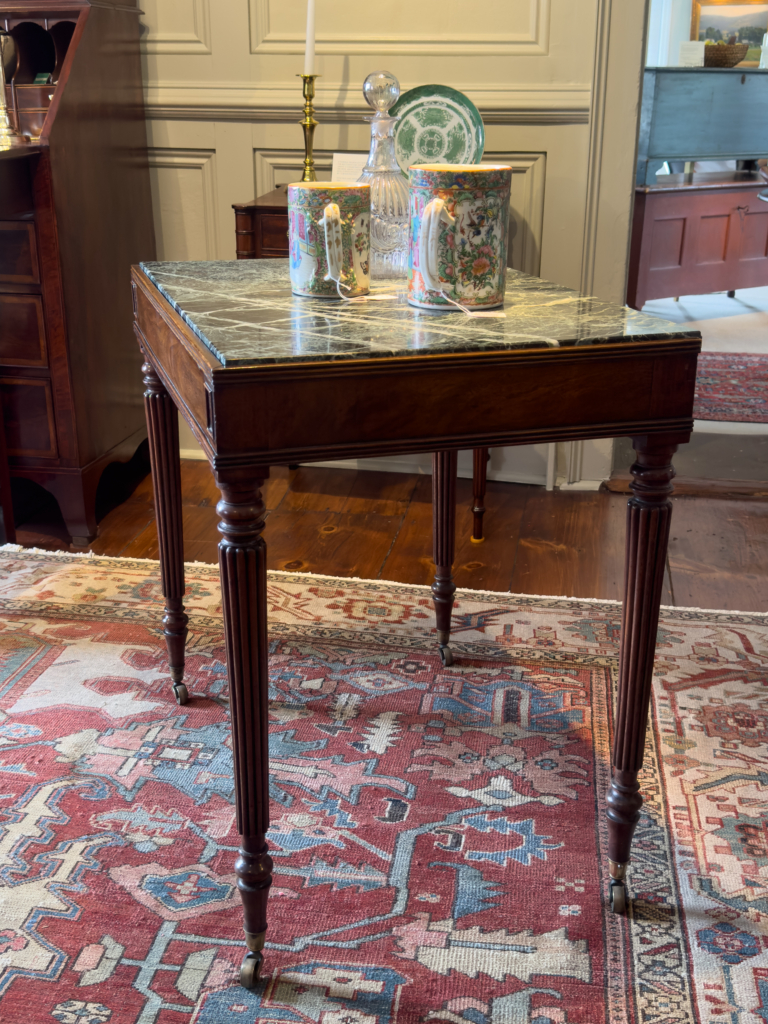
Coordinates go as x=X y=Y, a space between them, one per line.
x=243 y=565
x=444 y=539
x=648 y=517
x=163 y=430
x=479 y=481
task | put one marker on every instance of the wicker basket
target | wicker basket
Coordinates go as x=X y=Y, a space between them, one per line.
x=726 y=56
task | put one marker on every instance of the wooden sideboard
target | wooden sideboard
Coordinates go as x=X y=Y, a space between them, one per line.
x=697 y=237
x=75 y=213
x=261 y=226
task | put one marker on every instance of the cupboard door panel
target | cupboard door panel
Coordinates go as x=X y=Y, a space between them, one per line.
x=667 y=243
x=754 y=244
x=30 y=428
x=713 y=239
x=18 y=253
x=22 y=331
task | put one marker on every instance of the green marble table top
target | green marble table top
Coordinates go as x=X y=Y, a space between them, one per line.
x=245 y=313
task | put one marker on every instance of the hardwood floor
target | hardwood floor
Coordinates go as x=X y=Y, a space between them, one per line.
x=379 y=526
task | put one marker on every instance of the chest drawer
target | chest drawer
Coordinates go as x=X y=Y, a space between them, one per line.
x=272 y=234
x=22 y=331
x=18 y=253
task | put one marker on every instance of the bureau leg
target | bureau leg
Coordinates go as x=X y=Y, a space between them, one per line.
x=444 y=539
x=76 y=495
x=480 y=458
x=243 y=566
x=163 y=433
x=648 y=517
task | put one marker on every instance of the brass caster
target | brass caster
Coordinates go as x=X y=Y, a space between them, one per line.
x=446 y=656
x=477 y=540
x=180 y=693
x=618 y=893
x=250 y=969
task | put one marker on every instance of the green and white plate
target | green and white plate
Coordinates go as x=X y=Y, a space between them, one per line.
x=437 y=125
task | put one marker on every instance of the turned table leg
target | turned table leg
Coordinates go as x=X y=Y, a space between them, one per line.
x=480 y=458
x=444 y=539
x=243 y=566
x=163 y=430
x=648 y=517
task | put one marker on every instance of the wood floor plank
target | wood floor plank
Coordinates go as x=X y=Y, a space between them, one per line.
x=144 y=492
x=386 y=494
x=316 y=489
x=489 y=566
x=335 y=543
x=571 y=545
x=118 y=528
x=486 y=566
x=409 y=559
x=718 y=554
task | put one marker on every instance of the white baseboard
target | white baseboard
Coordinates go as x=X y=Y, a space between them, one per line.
x=402 y=465
x=578 y=485
x=723 y=427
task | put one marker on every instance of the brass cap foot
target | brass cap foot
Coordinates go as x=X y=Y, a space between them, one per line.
x=618 y=871
x=255 y=941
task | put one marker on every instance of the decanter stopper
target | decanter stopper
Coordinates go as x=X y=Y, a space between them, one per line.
x=381 y=90
x=389 y=187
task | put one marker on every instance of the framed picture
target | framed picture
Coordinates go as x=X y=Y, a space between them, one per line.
x=717 y=20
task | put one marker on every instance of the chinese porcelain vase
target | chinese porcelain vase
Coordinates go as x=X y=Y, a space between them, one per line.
x=459 y=219
x=329 y=235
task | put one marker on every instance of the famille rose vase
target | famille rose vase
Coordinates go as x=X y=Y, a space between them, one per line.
x=459 y=217
x=329 y=234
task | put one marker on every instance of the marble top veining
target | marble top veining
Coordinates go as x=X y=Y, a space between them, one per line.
x=245 y=313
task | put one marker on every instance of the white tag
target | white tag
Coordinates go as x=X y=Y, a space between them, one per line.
x=691 y=55
x=347 y=167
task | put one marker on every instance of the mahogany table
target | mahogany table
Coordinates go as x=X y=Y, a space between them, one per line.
x=263 y=377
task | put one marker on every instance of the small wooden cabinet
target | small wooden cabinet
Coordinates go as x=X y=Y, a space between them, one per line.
x=697 y=238
x=261 y=226
x=75 y=213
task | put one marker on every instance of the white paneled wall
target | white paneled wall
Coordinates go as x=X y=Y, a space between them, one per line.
x=223 y=102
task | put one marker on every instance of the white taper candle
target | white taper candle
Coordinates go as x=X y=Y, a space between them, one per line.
x=309 y=52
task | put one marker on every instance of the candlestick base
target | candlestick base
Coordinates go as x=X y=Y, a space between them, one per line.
x=308 y=123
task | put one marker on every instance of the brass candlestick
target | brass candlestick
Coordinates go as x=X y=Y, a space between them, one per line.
x=308 y=123
x=9 y=137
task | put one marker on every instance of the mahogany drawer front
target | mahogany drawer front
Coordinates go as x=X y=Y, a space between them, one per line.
x=18 y=253
x=272 y=230
x=31 y=97
x=15 y=190
x=30 y=428
x=22 y=331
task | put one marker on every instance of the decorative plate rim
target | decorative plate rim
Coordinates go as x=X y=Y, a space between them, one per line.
x=443 y=92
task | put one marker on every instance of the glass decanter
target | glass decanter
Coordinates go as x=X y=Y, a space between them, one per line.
x=389 y=188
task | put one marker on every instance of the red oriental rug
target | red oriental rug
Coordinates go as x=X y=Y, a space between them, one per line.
x=438 y=834
x=732 y=387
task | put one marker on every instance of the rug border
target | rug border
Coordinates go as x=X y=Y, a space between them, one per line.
x=506 y=594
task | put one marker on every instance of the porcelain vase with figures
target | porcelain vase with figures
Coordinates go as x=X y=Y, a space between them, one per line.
x=329 y=237
x=459 y=225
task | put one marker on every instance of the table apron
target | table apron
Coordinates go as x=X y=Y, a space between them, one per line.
x=273 y=414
